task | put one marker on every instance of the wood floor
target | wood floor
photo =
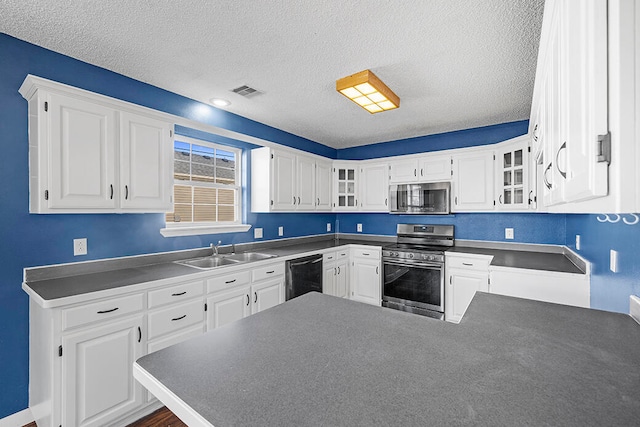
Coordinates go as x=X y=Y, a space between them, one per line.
x=160 y=418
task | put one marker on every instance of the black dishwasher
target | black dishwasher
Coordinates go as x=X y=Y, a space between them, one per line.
x=303 y=275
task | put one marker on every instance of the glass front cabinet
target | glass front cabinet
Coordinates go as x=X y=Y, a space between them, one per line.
x=512 y=180
x=345 y=186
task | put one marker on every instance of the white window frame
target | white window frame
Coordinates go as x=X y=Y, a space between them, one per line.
x=174 y=229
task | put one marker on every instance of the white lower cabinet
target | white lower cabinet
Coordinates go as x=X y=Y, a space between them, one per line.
x=335 y=279
x=97 y=380
x=548 y=286
x=465 y=274
x=228 y=306
x=267 y=294
x=366 y=284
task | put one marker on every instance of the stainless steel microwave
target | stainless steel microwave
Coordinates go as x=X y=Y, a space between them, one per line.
x=431 y=198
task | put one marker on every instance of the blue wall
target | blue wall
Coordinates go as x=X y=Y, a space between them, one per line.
x=609 y=291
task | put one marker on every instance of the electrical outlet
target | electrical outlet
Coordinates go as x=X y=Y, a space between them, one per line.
x=257 y=233
x=613 y=261
x=328 y=226
x=577 y=242
x=79 y=247
x=508 y=233
x=281 y=231
x=359 y=228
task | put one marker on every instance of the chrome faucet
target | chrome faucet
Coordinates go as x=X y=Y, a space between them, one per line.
x=215 y=248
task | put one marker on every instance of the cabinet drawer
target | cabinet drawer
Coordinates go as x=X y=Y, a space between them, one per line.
x=329 y=257
x=373 y=253
x=102 y=310
x=176 y=293
x=268 y=271
x=476 y=263
x=227 y=281
x=175 y=317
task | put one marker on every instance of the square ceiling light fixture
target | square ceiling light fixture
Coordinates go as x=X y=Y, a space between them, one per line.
x=368 y=91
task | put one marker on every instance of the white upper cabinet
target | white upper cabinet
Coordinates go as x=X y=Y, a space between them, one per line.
x=472 y=186
x=283 y=181
x=345 y=181
x=434 y=167
x=146 y=159
x=404 y=170
x=79 y=163
x=569 y=121
x=374 y=187
x=512 y=175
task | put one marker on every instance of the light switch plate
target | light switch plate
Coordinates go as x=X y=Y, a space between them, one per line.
x=257 y=233
x=79 y=247
x=578 y=242
x=281 y=231
x=508 y=233
x=359 y=228
x=634 y=307
x=328 y=226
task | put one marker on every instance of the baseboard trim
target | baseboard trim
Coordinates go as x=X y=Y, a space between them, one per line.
x=19 y=419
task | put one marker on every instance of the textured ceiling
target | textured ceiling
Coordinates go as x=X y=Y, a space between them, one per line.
x=455 y=64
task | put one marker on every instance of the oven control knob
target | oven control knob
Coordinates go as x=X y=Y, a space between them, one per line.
x=410 y=255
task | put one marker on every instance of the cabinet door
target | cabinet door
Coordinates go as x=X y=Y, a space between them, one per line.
x=473 y=181
x=341 y=285
x=583 y=35
x=345 y=186
x=283 y=181
x=267 y=294
x=329 y=278
x=435 y=168
x=374 y=188
x=228 y=306
x=366 y=285
x=462 y=285
x=512 y=175
x=323 y=186
x=146 y=163
x=403 y=171
x=82 y=143
x=306 y=182
x=97 y=378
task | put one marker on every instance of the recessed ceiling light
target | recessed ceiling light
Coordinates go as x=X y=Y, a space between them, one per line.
x=219 y=102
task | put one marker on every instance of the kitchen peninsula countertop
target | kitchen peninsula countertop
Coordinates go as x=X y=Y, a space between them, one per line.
x=321 y=360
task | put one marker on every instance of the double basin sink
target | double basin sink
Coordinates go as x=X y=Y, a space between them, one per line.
x=213 y=261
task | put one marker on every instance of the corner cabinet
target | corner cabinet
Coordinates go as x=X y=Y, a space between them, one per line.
x=92 y=154
x=374 y=187
x=345 y=186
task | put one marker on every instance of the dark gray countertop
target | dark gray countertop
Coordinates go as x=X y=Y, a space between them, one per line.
x=544 y=261
x=321 y=360
x=79 y=284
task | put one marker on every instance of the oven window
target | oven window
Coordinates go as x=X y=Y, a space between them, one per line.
x=419 y=286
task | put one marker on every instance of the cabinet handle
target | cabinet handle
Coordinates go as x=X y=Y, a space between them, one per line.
x=535 y=137
x=248 y=300
x=294 y=200
x=318 y=204
x=111 y=188
x=178 y=318
x=421 y=172
x=544 y=177
x=467 y=264
x=385 y=202
x=500 y=199
x=107 y=311
x=230 y=281
x=298 y=199
x=178 y=294
x=126 y=192
x=255 y=297
x=338 y=270
x=415 y=172
x=139 y=334
x=365 y=254
x=562 y=147
x=376 y=269
x=530 y=198
x=335 y=271
x=456 y=200
x=271 y=272
x=450 y=278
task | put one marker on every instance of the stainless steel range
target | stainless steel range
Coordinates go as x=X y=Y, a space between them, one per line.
x=414 y=269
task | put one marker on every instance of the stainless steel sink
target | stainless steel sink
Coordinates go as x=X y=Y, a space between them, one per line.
x=250 y=256
x=208 y=262
x=213 y=261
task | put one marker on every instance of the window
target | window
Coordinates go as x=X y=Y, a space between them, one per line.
x=207 y=187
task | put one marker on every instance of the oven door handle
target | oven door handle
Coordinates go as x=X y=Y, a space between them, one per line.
x=413 y=264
